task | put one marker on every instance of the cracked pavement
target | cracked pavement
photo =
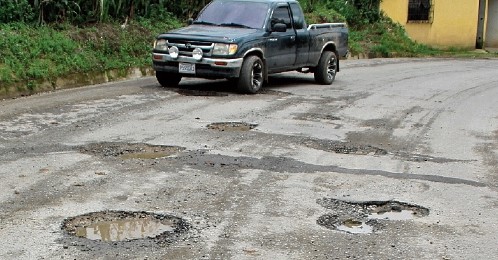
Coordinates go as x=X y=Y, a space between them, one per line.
x=249 y=174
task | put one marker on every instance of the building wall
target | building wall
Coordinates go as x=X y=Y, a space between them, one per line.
x=454 y=22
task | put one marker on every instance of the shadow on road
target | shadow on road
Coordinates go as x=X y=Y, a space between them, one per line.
x=222 y=87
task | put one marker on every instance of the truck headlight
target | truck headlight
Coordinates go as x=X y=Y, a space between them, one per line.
x=173 y=52
x=161 y=45
x=224 y=49
x=197 y=54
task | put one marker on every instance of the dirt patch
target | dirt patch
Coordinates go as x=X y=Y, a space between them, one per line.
x=119 y=226
x=366 y=217
x=131 y=151
x=232 y=126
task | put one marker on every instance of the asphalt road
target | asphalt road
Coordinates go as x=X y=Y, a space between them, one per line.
x=398 y=159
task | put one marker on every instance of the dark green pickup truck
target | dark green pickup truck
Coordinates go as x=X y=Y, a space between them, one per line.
x=245 y=41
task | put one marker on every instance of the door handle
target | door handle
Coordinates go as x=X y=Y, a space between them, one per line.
x=293 y=38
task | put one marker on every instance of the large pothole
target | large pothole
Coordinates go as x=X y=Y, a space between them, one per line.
x=232 y=126
x=131 y=151
x=366 y=217
x=116 y=226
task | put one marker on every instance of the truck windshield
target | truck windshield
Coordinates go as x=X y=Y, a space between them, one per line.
x=233 y=13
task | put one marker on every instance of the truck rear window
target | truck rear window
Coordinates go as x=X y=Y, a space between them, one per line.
x=248 y=14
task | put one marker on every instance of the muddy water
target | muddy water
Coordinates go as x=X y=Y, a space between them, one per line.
x=124 y=229
x=355 y=227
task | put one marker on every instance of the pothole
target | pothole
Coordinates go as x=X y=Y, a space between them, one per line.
x=115 y=226
x=343 y=147
x=317 y=117
x=232 y=126
x=131 y=151
x=366 y=217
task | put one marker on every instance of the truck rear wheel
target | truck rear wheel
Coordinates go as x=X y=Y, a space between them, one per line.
x=326 y=69
x=251 y=75
x=168 y=80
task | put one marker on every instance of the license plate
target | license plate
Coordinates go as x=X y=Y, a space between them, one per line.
x=188 y=68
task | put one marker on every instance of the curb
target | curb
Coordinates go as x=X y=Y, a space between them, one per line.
x=31 y=87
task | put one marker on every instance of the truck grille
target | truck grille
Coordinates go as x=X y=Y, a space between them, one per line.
x=186 y=47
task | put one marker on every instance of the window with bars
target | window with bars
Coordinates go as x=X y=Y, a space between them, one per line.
x=419 y=10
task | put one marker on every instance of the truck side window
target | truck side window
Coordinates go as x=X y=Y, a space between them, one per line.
x=281 y=15
x=297 y=16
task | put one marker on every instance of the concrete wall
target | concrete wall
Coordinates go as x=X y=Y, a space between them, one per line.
x=454 y=22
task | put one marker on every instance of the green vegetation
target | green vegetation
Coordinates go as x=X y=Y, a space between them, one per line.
x=29 y=53
x=387 y=39
x=46 y=39
x=371 y=33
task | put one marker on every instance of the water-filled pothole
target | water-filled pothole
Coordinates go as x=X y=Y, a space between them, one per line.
x=115 y=226
x=355 y=227
x=232 y=126
x=366 y=217
x=131 y=151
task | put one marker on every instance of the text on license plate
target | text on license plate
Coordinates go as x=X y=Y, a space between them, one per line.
x=186 y=68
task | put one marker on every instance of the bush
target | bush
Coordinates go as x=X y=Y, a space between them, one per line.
x=16 y=11
x=386 y=39
x=322 y=14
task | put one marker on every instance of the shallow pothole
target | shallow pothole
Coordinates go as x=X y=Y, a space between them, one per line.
x=343 y=147
x=131 y=151
x=317 y=117
x=366 y=217
x=232 y=126
x=116 y=226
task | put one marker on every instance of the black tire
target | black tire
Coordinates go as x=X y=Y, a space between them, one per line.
x=326 y=69
x=168 y=80
x=251 y=75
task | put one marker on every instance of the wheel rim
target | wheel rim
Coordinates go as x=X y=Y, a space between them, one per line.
x=257 y=75
x=331 y=68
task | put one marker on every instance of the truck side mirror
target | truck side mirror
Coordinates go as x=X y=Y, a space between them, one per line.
x=279 y=27
x=190 y=21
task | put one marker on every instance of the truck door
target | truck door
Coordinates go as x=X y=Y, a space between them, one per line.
x=281 y=46
x=302 y=35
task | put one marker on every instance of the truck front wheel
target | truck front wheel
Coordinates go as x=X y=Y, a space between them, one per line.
x=251 y=75
x=326 y=69
x=169 y=80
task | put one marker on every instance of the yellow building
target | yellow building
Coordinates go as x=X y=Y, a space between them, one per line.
x=447 y=23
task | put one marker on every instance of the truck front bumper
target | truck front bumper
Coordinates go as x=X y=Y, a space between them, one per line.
x=205 y=68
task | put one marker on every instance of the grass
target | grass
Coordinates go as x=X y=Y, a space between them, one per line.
x=30 y=53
